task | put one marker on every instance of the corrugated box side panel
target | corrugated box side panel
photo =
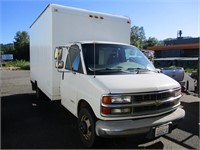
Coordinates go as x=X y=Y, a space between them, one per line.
x=41 y=52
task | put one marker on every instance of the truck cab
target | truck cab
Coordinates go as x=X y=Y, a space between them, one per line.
x=114 y=91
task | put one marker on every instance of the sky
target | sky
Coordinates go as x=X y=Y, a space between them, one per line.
x=159 y=18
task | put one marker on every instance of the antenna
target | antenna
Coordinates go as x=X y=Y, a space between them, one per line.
x=179 y=33
x=94 y=60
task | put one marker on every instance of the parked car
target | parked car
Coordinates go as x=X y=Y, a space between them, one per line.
x=177 y=73
x=195 y=76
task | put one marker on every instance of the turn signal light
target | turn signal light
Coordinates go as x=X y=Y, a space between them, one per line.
x=105 y=110
x=106 y=100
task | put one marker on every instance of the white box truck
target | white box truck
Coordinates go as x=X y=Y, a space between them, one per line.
x=84 y=58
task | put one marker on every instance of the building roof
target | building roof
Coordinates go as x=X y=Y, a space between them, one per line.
x=177 y=58
x=175 y=47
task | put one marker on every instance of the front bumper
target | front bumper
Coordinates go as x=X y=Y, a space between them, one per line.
x=136 y=127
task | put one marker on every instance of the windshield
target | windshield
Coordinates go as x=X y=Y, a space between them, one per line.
x=102 y=59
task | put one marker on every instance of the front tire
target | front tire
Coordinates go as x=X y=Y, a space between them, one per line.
x=86 y=125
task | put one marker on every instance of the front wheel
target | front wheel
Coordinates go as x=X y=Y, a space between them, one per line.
x=86 y=125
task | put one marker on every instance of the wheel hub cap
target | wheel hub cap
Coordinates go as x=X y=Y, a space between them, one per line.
x=83 y=127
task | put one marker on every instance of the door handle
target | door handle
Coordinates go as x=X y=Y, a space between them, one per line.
x=63 y=75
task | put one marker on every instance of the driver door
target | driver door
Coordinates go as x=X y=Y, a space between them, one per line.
x=70 y=79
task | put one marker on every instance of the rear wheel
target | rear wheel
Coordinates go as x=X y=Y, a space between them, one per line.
x=86 y=125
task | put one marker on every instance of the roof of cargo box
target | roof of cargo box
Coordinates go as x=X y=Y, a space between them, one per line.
x=78 y=11
x=100 y=42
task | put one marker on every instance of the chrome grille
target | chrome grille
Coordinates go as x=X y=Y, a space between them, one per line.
x=154 y=107
x=152 y=96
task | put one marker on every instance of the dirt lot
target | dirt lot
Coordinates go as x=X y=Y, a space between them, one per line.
x=31 y=124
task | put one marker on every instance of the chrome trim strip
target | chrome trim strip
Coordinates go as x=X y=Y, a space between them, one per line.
x=145 y=114
x=143 y=93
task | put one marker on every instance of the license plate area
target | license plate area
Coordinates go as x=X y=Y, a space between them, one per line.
x=162 y=130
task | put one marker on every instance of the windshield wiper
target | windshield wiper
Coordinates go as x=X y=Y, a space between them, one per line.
x=110 y=69
x=139 y=70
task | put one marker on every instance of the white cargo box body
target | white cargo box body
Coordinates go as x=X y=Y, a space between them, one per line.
x=58 y=25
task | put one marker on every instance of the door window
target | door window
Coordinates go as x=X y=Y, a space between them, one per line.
x=73 y=61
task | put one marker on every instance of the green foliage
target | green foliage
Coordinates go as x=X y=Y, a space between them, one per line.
x=139 y=40
x=168 y=39
x=24 y=65
x=190 y=70
x=172 y=66
x=21 y=45
x=7 y=48
x=137 y=36
x=152 y=41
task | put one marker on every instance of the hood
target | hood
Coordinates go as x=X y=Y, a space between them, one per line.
x=135 y=83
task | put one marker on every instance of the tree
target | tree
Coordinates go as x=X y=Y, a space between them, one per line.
x=7 y=48
x=21 y=45
x=168 y=39
x=152 y=41
x=137 y=36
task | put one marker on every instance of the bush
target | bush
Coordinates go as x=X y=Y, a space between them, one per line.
x=190 y=70
x=24 y=65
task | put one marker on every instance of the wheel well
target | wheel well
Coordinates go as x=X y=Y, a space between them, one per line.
x=83 y=104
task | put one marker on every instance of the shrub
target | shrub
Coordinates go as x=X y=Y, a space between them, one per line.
x=24 y=65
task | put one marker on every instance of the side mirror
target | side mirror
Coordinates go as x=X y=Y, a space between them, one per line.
x=58 y=53
x=59 y=64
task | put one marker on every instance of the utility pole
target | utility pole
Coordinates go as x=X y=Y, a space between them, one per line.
x=198 y=72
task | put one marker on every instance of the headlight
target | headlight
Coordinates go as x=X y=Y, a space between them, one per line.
x=177 y=93
x=120 y=99
x=115 y=105
x=116 y=99
x=120 y=110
